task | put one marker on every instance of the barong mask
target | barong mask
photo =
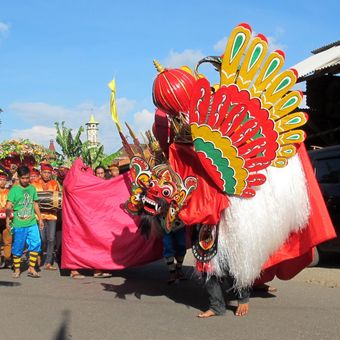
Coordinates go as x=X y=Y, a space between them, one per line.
x=159 y=192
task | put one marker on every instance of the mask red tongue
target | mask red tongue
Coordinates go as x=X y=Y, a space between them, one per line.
x=150 y=210
x=149 y=207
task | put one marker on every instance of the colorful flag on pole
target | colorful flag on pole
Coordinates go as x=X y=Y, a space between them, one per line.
x=113 y=106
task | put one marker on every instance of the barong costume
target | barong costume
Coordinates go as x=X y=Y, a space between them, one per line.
x=233 y=161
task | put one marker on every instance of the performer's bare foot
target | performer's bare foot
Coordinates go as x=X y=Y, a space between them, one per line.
x=207 y=314
x=242 y=309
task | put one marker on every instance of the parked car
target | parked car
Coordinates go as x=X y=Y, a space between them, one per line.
x=326 y=164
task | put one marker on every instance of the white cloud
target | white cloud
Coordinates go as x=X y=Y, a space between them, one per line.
x=273 y=44
x=125 y=105
x=188 y=57
x=143 y=120
x=4 y=29
x=46 y=112
x=37 y=134
x=41 y=111
x=220 y=45
x=280 y=30
x=44 y=115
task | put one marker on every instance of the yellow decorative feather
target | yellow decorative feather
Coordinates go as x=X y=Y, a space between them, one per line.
x=233 y=54
x=247 y=63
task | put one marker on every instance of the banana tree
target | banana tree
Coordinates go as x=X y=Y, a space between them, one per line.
x=73 y=147
x=92 y=155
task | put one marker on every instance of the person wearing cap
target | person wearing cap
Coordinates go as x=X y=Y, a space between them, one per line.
x=34 y=174
x=6 y=235
x=49 y=217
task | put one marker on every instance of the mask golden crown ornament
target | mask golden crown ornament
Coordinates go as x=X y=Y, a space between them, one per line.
x=242 y=126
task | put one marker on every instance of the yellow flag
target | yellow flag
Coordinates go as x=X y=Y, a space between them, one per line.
x=113 y=106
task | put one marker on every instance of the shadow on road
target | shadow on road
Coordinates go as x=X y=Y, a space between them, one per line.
x=262 y=294
x=151 y=280
x=9 y=284
x=63 y=332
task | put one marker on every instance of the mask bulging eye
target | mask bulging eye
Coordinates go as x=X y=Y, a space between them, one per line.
x=166 y=192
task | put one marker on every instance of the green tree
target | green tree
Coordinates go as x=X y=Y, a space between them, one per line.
x=92 y=155
x=109 y=159
x=73 y=147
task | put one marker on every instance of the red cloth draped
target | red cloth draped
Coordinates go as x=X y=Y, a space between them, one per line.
x=97 y=232
x=296 y=253
x=207 y=201
x=162 y=131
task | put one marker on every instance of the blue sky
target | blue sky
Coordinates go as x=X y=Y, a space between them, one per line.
x=57 y=57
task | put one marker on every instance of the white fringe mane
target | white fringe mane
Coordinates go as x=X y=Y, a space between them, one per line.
x=250 y=230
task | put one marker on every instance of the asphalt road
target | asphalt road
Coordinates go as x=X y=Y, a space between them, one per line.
x=138 y=304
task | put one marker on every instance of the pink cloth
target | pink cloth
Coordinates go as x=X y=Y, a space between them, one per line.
x=97 y=232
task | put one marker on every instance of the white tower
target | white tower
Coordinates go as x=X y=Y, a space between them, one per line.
x=92 y=130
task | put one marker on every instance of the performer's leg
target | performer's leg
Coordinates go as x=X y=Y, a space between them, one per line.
x=243 y=302
x=216 y=298
x=170 y=261
x=7 y=241
x=19 y=241
x=43 y=243
x=33 y=259
x=168 y=254
x=34 y=247
x=50 y=226
x=181 y=249
x=242 y=295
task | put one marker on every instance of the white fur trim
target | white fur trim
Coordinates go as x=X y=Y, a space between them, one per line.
x=250 y=230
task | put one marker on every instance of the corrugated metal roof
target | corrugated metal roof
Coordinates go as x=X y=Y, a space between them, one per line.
x=326 y=47
x=324 y=60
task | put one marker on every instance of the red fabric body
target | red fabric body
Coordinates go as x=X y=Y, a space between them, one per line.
x=206 y=202
x=296 y=253
x=97 y=232
x=161 y=130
